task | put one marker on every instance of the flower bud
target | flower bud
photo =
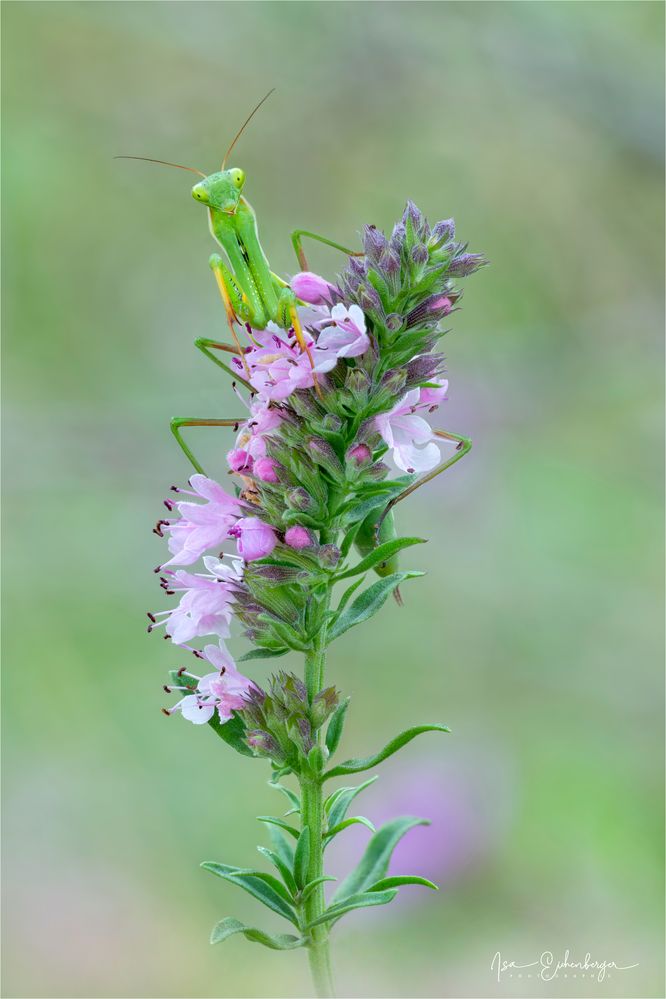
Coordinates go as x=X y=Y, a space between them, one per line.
x=264 y=469
x=323 y=706
x=324 y=455
x=466 y=264
x=368 y=299
x=299 y=499
x=263 y=744
x=298 y=537
x=442 y=232
x=420 y=253
x=329 y=556
x=311 y=288
x=374 y=242
x=359 y=455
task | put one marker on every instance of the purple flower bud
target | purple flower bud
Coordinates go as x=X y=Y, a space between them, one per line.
x=466 y=264
x=311 y=288
x=374 y=242
x=394 y=322
x=324 y=455
x=300 y=499
x=368 y=298
x=329 y=556
x=412 y=214
x=357 y=267
x=264 y=745
x=420 y=254
x=264 y=469
x=298 y=537
x=359 y=454
x=442 y=232
x=398 y=238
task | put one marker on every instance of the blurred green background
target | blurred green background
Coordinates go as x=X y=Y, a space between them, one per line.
x=536 y=634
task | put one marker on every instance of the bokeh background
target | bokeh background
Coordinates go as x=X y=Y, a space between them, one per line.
x=537 y=633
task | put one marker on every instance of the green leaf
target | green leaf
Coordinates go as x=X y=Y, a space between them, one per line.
x=336 y=804
x=374 y=863
x=405 y=879
x=357 y=765
x=281 y=867
x=381 y=554
x=276 y=941
x=336 y=725
x=254 y=885
x=302 y=858
x=261 y=654
x=292 y=798
x=273 y=821
x=311 y=885
x=356 y=820
x=286 y=634
x=368 y=603
x=344 y=599
x=359 y=901
x=281 y=845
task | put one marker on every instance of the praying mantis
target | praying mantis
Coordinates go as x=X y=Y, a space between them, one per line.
x=253 y=295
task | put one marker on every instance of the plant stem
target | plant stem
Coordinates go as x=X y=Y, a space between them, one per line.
x=312 y=816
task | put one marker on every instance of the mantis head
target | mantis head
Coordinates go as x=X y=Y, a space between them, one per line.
x=221 y=190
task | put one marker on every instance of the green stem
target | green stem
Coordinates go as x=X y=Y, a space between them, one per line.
x=312 y=815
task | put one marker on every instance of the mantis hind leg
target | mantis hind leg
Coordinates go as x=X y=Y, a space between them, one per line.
x=206 y=347
x=297 y=243
x=178 y=422
x=464 y=445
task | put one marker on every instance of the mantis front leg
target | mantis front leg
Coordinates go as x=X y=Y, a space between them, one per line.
x=186 y=421
x=296 y=242
x=464 y=445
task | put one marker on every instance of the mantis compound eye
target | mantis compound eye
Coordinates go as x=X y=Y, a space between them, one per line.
x=199 y=193
x=237 y=177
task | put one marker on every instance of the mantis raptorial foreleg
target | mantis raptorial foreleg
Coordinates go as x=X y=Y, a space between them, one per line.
x=186 y=421
x=296 y=242
x=464 y=445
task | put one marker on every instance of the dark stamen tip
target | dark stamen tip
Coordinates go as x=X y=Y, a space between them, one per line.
x=166 y=688
x=151 y=616
x=165 y=711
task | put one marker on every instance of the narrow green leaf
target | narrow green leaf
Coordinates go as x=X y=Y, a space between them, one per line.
x=276 y=941
x=336 y=725
x=281 y=845
x=357 y=765
x=302 y=858
x=374 y=863
x=344 y=599
x=281 y=867
x=407 y=879
x=273 y=821
x=291 y=797
x=356 y=820
x=359 y=901
x=311 y=885
x=368 y=603
x=262 y=654
x=381 y=554
x=341 y=799
x=288 y=635
x=255 y=886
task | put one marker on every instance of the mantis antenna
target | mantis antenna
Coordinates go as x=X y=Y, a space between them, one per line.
x=243 y=126
x=149 y=159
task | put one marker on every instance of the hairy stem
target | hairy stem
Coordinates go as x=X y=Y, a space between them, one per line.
x=312 y=816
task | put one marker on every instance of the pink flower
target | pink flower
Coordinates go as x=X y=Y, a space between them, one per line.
x=256 y=539
x=298 y=537
x=345 y=337
x=205 y=607
x=311 y=288
x=221 y=691
x=239 y=460
x=409 y=436
x=202 y=526
x=278 y=366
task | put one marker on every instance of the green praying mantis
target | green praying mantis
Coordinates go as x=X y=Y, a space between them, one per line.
x=253 y=295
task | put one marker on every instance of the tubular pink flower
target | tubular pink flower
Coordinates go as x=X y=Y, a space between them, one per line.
x=345 y=336
x=205 y=607
x=431 y=397
x=409 y=436
x=278 y=366
x=239 y=460
x=311 y=288
x=221 y=691
x=202 y=526
x=255 y=538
